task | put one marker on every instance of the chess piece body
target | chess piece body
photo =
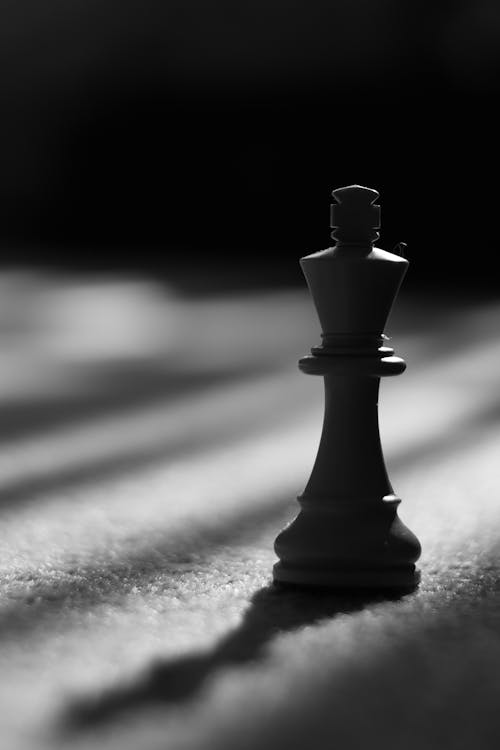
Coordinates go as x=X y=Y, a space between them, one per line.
x=348 y=533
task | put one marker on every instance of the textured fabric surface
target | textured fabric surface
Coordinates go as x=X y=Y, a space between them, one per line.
x=136 y=610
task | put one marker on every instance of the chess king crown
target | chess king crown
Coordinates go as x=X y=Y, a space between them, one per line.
x=354 y=285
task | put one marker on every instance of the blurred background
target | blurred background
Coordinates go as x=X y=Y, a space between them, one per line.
x=193 y=140
x=158 y=154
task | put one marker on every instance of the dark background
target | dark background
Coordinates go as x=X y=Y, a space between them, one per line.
x=194 y=138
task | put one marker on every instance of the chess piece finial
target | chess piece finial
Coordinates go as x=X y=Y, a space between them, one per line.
x=348 y=533
x=355 y=217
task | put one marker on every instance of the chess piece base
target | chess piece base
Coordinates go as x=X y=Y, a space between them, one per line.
x=404 y=578
x=345 y=544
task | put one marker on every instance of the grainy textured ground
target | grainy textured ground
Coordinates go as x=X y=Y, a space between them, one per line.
x=140 y=492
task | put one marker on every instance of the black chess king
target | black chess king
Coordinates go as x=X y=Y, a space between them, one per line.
x=348 y=533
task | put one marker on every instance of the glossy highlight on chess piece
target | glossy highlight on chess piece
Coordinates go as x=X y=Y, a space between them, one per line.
x=348 y=533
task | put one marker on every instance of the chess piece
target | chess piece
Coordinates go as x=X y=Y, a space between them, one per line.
x=348 y=533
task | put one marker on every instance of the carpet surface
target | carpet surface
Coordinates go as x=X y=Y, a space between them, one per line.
x=141 y=488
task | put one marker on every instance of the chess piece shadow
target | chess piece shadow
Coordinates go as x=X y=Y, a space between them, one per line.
x=273 y=610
